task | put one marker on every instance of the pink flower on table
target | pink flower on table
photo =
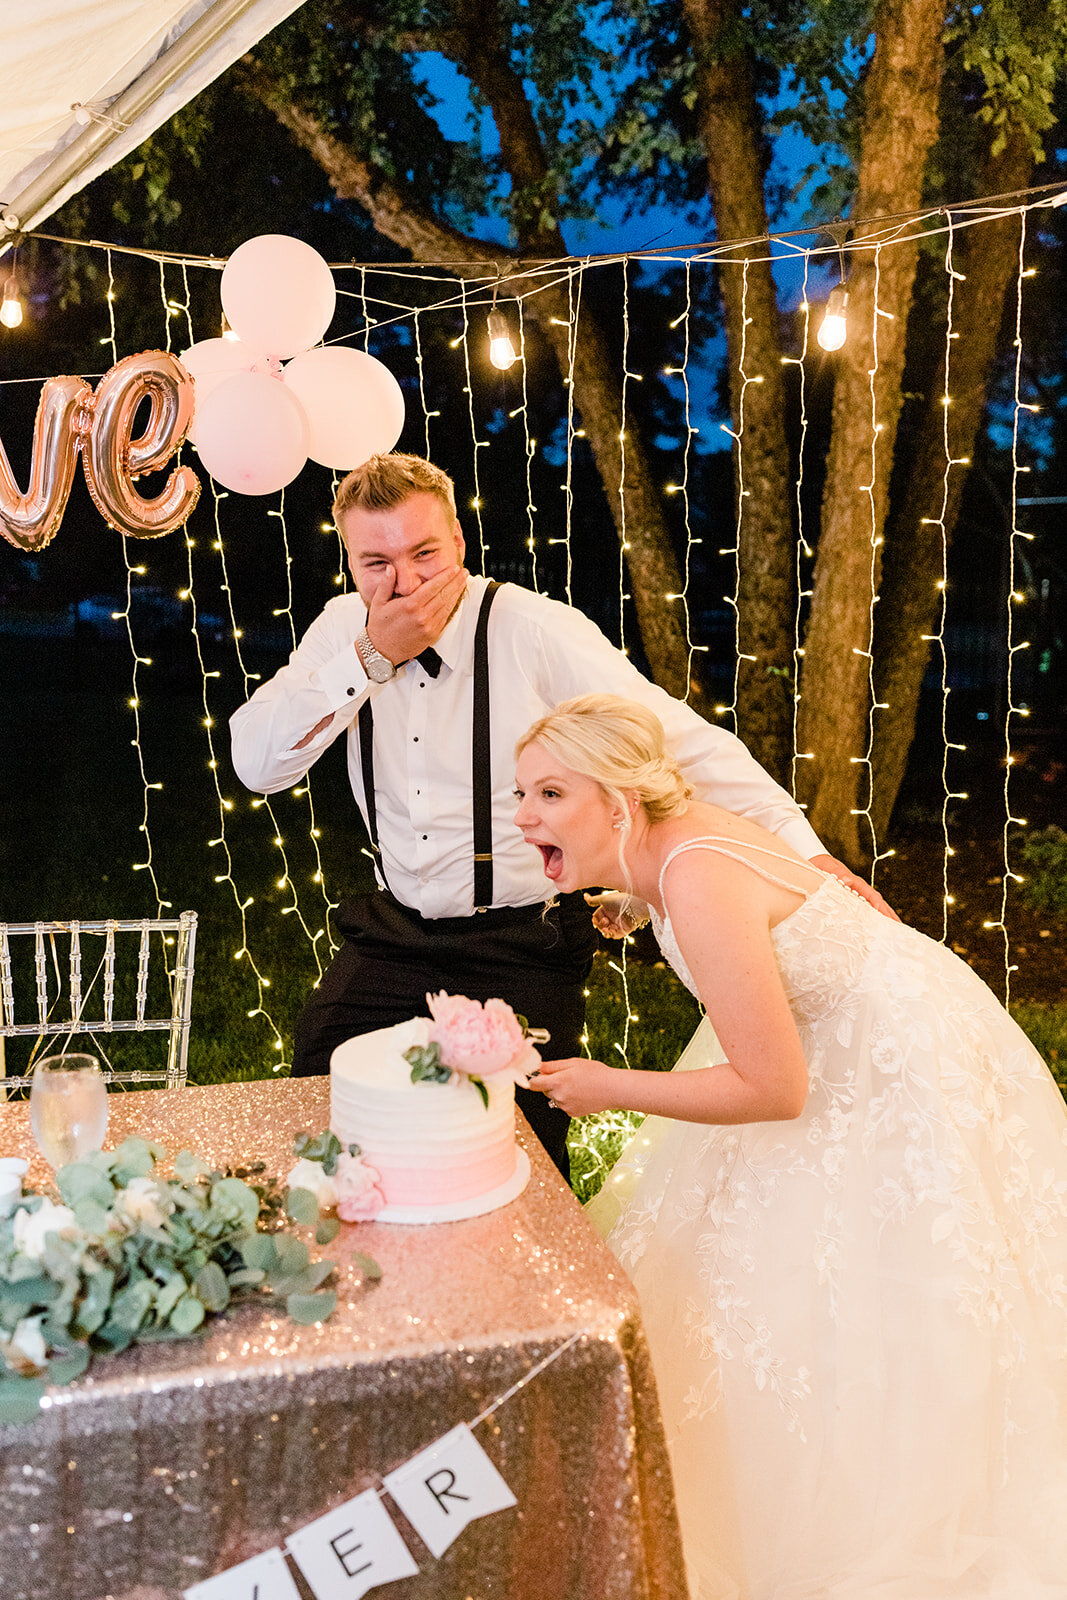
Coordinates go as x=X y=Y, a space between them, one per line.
x=359 y=1198
x=480 y=1040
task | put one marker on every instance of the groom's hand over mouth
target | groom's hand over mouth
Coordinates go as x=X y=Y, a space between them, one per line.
x=400 y=626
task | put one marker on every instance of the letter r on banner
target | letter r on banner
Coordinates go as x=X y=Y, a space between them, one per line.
x=444 y=1488
x=351 y=1549
x=264 y=1577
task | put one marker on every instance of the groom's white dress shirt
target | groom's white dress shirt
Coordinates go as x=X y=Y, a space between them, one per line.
x=540 y=652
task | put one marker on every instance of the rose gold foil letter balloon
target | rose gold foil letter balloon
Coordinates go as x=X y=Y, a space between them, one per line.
x=31 y=520
x=114 y=458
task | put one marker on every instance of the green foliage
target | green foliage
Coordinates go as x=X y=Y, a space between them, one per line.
x=1045 y=881
x=324 y=1148
x=1017 y=50
x=131 y=1256
x=426 y=1063
x=663 y=1018
x=1046 y=1028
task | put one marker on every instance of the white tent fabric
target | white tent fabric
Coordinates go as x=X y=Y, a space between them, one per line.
x=131 y=63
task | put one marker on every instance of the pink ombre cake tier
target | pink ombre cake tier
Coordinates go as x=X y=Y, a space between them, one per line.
x=440 y=1152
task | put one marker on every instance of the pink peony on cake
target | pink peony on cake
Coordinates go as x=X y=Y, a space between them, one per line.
x=431 y=1105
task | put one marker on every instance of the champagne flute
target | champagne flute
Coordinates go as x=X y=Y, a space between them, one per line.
x=68 y=1107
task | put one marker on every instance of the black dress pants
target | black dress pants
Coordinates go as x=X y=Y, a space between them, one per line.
x=536 y=960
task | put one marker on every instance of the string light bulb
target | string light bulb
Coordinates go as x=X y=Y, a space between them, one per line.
x=11 y=307
x=502 y=352
x=834 y=328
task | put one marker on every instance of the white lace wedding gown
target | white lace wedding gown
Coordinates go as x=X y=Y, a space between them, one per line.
x=858 y=1319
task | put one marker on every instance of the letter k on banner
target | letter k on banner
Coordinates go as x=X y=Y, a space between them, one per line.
x=447 y=1486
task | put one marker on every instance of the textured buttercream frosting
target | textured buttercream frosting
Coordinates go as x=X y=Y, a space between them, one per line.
x=440 y=1152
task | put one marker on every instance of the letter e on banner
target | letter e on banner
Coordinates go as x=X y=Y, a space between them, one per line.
x=264 y=1577
x=351 y=1549
x=444 y=1488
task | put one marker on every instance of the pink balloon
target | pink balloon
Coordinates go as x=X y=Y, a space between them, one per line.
x=211 y=361
x=278 y=294
x=252 y=434
x=354 y=405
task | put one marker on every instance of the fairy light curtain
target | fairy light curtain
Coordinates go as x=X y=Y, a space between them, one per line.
x=375 y=296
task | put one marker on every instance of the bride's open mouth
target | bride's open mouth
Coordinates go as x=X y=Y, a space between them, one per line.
x=552 y=856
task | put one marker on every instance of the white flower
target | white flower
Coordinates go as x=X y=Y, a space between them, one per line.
x=28 y=1340
x=33 y=1227
x=143 y=1202
x=309 y=1175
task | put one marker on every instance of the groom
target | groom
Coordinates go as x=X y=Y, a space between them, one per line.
x=432 y=675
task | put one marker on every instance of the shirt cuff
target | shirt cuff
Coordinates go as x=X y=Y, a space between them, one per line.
x=341 y=679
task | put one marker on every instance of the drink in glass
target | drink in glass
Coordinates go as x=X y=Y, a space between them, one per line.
x=68 y=1107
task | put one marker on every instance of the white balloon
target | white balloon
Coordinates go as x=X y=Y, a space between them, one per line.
x=278 y=293
x=252 y=434
x=211 y=361
x=354 y=405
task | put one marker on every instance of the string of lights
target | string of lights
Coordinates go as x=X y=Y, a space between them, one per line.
x=627 y=377
x=682 y=488
x=226 y=805
x=938 y=638
x=525 y=281
x=1015 y=597
x=137 y=660
x=476 y=443
x=574 y=302
x=876 y=541
x=737 y=435
x=804 y=552
x=523 y=411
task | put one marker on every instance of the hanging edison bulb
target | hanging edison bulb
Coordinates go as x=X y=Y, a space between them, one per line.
x=502 y=352
x=833 y=328
x=11 y=306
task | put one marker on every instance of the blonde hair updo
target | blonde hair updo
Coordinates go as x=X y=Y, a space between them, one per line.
x=620 y=745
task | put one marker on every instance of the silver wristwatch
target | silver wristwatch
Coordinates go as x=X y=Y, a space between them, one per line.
x=379 y=668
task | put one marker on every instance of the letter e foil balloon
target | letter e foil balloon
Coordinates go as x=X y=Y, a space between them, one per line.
x=31 y=520
x=114 y=458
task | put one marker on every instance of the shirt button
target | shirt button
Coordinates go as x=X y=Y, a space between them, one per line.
x=426 y=836
x=350 y=691
x=415 y=740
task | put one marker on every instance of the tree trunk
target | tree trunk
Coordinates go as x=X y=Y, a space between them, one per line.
x=910 y=600
x=637 y=512
x=729 y=126
x=899 y=126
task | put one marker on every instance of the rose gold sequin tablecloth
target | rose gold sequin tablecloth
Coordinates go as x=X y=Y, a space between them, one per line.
x=167 y=1464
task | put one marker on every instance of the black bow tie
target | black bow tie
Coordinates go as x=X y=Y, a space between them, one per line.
x=430 y=661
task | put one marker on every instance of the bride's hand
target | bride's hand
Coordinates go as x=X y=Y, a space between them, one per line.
x=857 y=885
x=577 y=1086
x=614 y=917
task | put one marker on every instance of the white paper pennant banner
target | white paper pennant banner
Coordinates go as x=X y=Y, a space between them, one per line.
x=265 y=1577
x=351 y=1549
x=447 y=1486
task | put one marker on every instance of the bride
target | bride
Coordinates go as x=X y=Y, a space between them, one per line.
x=846 y=1214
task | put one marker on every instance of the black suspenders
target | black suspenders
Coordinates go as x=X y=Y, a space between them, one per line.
x=481 y=775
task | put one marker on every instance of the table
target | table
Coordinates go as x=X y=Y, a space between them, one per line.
x=172 y=1462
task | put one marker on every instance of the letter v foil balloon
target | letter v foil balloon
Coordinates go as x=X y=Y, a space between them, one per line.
x=71 y=418
x=256 y=423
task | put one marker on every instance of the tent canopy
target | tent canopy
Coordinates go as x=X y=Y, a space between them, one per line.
x=86 y=81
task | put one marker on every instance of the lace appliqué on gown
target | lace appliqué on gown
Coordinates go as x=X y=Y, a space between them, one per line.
x=906 y=1237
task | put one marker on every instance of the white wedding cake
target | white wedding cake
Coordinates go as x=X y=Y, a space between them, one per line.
x=440 y=1151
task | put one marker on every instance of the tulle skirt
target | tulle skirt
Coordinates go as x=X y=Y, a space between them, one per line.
x=859 y=1327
